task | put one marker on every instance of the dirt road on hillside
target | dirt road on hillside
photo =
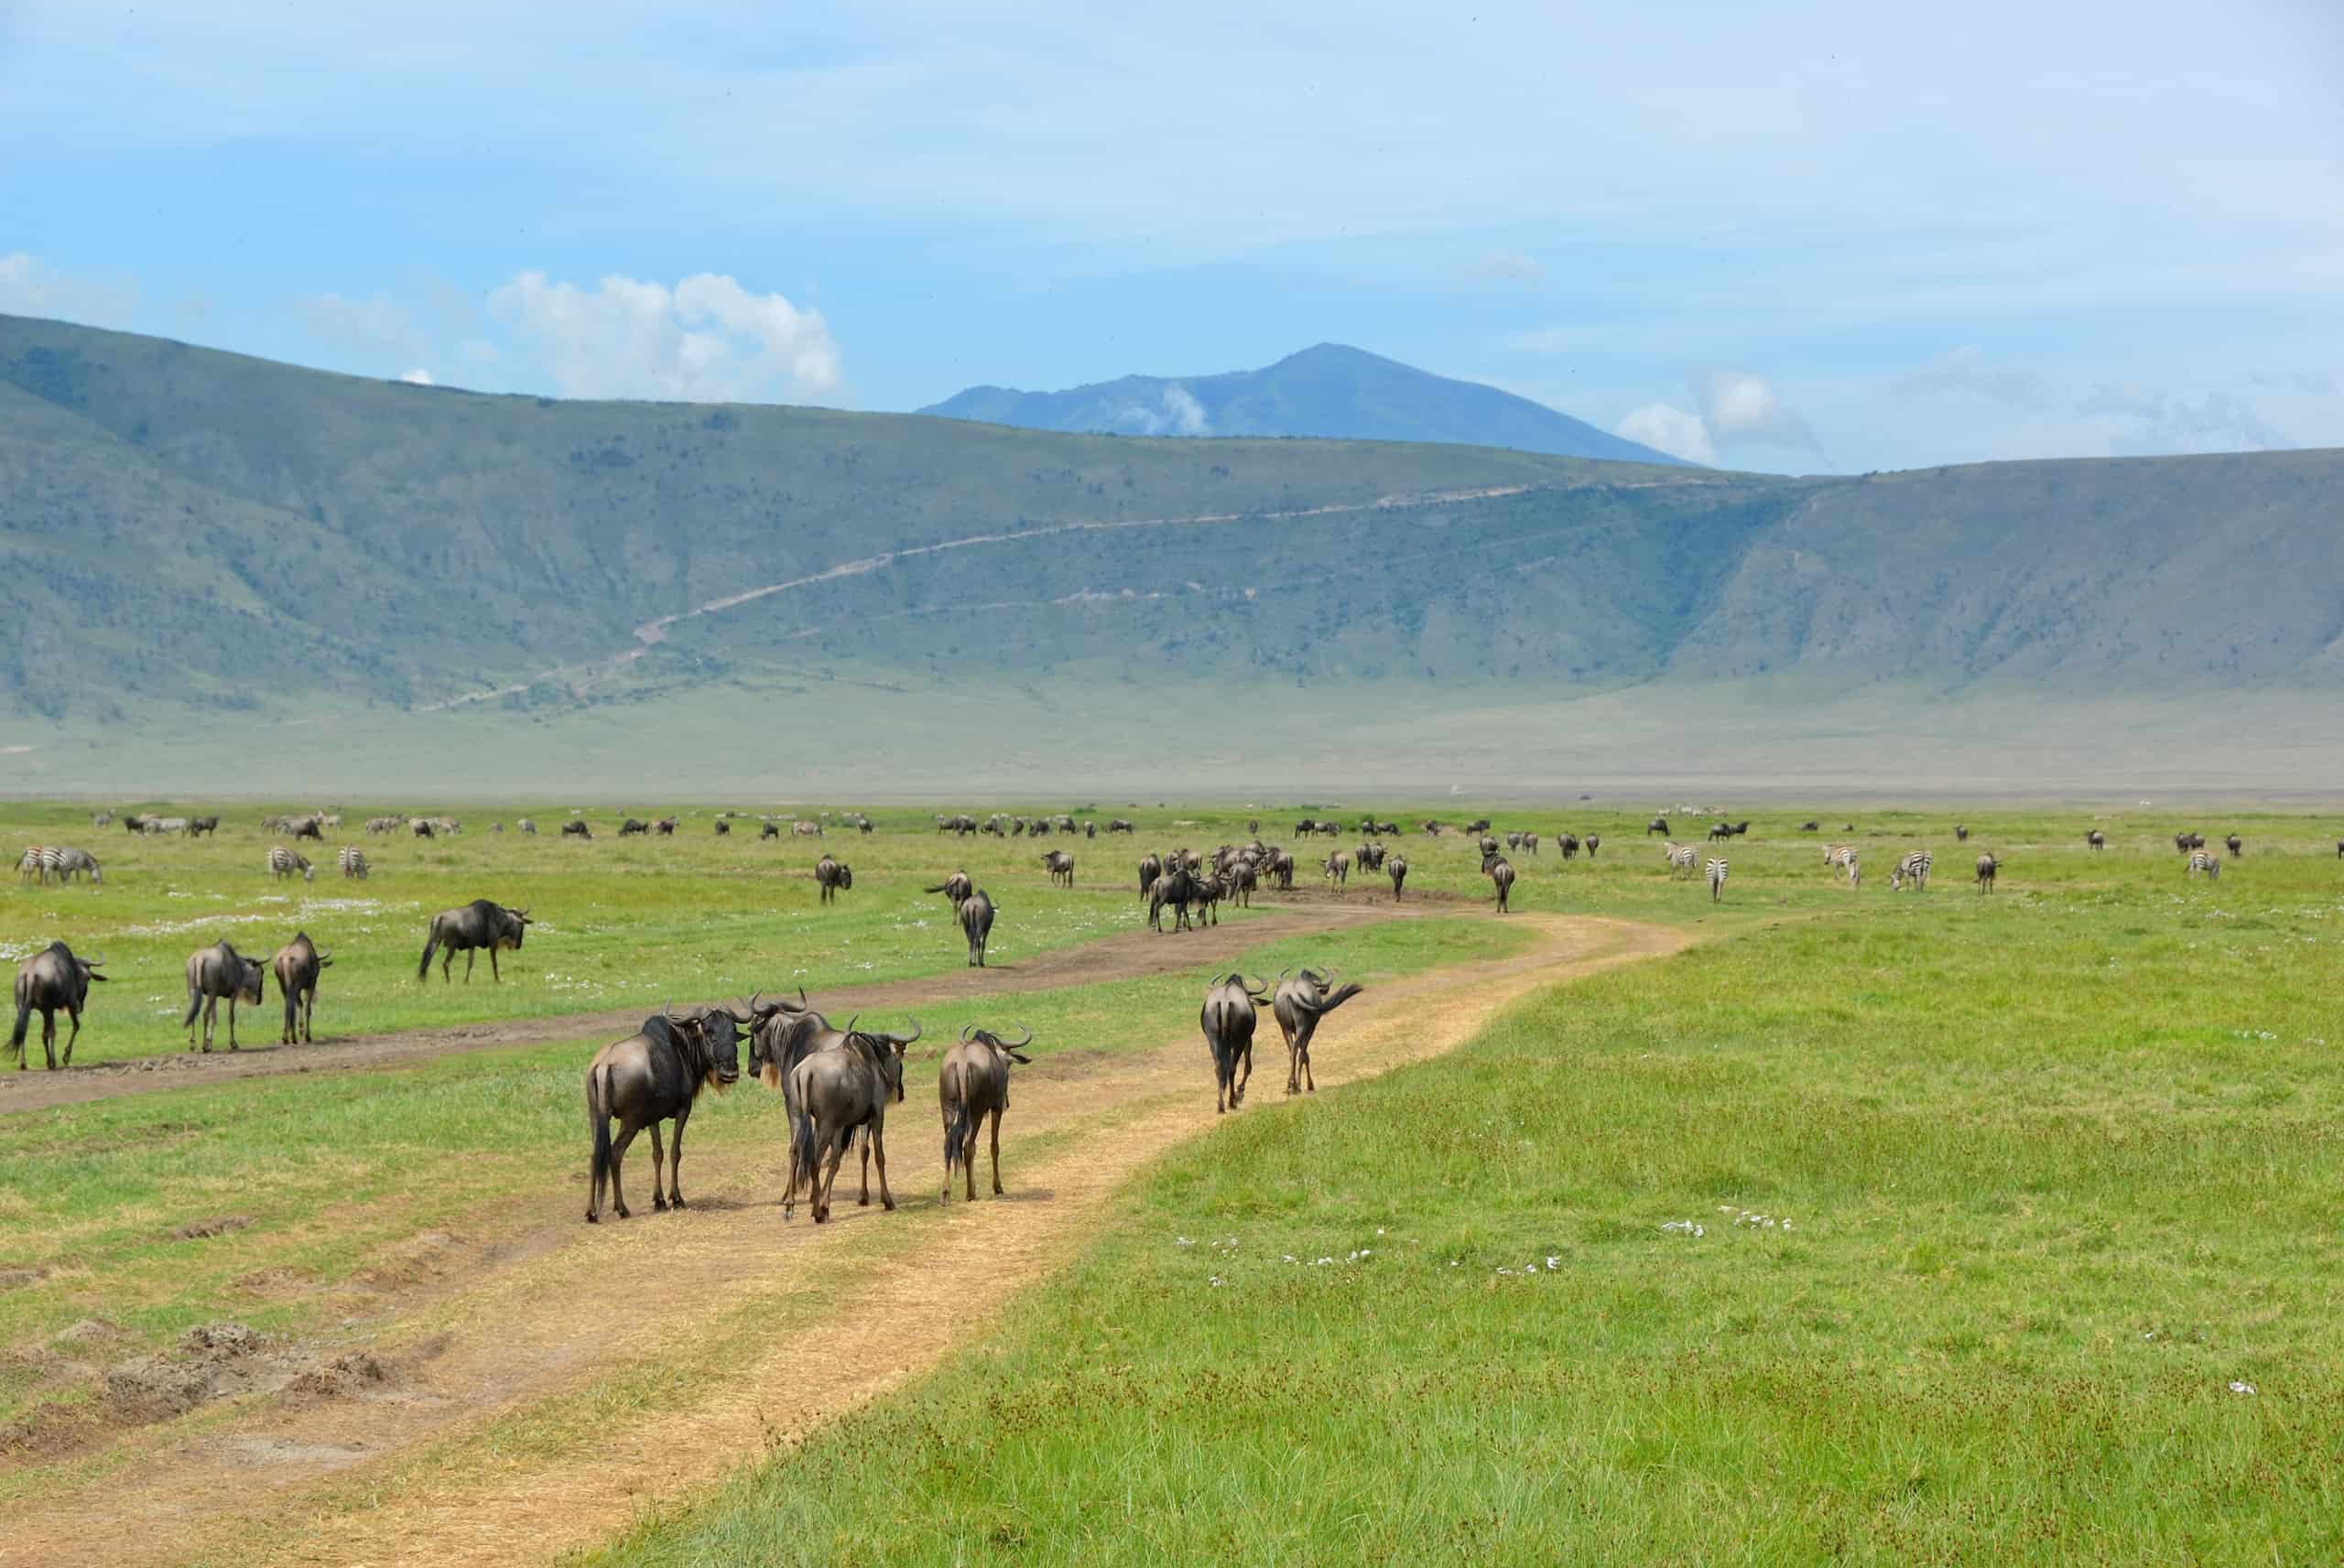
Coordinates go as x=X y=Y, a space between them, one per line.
x=1127 y=956
x=405 y=1472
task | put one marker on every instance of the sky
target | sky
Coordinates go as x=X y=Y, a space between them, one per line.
x=1806 y=236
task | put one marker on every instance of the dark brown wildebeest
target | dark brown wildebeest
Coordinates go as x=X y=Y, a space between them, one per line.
x=770 y=830
x=834 y=877
x=955 y=888
x=1060 y=865
x=1370 y=857
x=1280 y=869
x=651 y=1077
x=1568 y=844
x=634 y=825
x=1811 y=826
x=1657 y=825
x=838 y=1090
x=723 y=828
x=1204 y=901
x=1987 y=867
x=197 y=826
x=575 y=830
x=971 y=1086
x=1488 y=845
x=1397 y=869
x=665 y=826
x=1120 y=825
x=51 y=979
x=1500 y=874
x=1961 y=833
x=1478 y=825
x=975 y=913
x=2096 y=839
x=1150 y=868
x=421 y=828
x=298 y=964
x=1530 y=842
x=1091 y=831
x=2235 y=845
x=1300 y=1002
x=474 y=925
x=1179 y=888
x=215 y=972
x=1227 y=1020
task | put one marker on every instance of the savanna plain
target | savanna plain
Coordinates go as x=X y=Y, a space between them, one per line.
x=1813 y=1221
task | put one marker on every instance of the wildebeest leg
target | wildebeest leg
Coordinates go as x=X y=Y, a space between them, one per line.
x=874 y=1147
x=996 y=1150
x=470 y=954
x=676 y=1159
x=493 y=972
x=865 y=1200
x=1293 y=1061
x=826 y=1178
x=445 y=964
x=658 y=1173
x=1308 y=1082
x=1237 y=1095
x=232 y=1021
x=627 y=1130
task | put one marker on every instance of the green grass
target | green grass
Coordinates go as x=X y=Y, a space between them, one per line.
x=334 y=1181
x=2046 y=1174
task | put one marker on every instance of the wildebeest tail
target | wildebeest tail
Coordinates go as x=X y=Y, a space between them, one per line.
x=956 y=1130
x=423 y=970
x=801 y=1153
x=16 y=1035
x=194 y=1006
x=597 y=1098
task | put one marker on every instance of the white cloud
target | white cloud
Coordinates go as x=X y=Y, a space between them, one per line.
x=1177 y=413
x=706 y=339
x=29 y=288
x=1966 y=369
x=2149 y=422
x=1737 y=406
x=419 y=377
x=1670 y=429
x=1501 y=265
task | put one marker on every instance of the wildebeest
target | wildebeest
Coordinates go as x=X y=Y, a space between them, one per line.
x=634 y=825
x=527 y=826
x=1299 y=1004
x=477 y=925
x=1657 y=825
x=213 y=973
x=1566 y=844
x=1060 y=865
x=1397 y=867
x=1500 y=874
x=199 y=825
x=955 y=888
x=1279 y=868
x=2235 y=845
x=975 y=913
x=354 y=863
x=298 y=964
x=576 y=828
x=2096 y=839
x=51 y=979
x=283 y=862
x=1178 y=887
x=834 y=877
x=421 y=828
x=723 y=828
x=666 y=827
x=653 y=1075
x=1370 y=857
x=1987 y=867
x=1120 y=825
x=1811 y=826
x=1961 y=833
x=311 y=826
x=1594 y=842
x=769 y=830
x=132 y=822
x=1337 y=867
x=1227 y=1020
x=1150 y=868
x=971 y=1086
x=837 y=1089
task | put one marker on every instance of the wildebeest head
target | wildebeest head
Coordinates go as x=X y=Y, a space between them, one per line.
x=510 y=927
x=249 y=972
x=716 y=1030
x=1013 y=1049
x=887 y=1050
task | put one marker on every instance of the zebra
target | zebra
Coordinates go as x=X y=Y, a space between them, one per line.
x=69 y=864
x=1855 y=873
x=34 y=862
x=354 y=863
x=1914 y=868
x=1717 y=878
x=2200 y=861
x=283 y=862
x=101 y=818
x=1680 y=856
x=1838 y=854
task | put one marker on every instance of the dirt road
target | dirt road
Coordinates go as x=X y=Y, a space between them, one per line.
x=1127 y=956
x=407 y=1472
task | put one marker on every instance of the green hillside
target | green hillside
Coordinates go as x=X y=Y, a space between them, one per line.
x=199 y=547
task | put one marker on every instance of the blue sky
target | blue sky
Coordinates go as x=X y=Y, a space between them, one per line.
x=1791 y=235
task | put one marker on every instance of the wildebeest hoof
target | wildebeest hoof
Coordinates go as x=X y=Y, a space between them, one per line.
x=622 y=1211
x=889 y=1204
x=677 y=1200
x=659 y=1205
x=593 y=1218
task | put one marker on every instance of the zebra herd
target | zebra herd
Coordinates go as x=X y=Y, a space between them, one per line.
x=41 y=862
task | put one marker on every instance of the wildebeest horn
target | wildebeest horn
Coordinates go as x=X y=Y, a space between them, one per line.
x=908 y=1039
x=964 y=1033
x=1257 y=987
x=667 y=1009
x=850 y=1021
x=1014 y=1045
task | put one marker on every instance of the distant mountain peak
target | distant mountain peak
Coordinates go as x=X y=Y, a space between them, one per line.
x=1332 y=391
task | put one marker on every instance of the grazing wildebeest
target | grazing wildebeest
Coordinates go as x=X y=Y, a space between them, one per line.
x=723 y=828
x=955 y=888
x=51 y=979
x=833 y=877
x=421 y=827
x=298 y=964
x=976 y=919
x=1227 y=1020
x=634 y=825
x=666 y=827
x=197 y=826
x=1811 y=826
x=479 y=924
x=354 y=863
x=1060 y=865
x=132 y=822
x=1120 y=825
x=2096 y=839
x=838 y=1090
x=1337 y=867
x=1150 y=868
x=971 y=1086
x=1397 y=867
x=576 y=828
x=1300 y=1002
x=2235 y=845
x=283 y=862
x=1987 y=867
x=1721 y=830
x=527 y=826
x=769 y=830
x=1657 y=825
x=1594 y=842
x=311 y=826
x=215 y=972
x=651 y=1077
x=1500 y=874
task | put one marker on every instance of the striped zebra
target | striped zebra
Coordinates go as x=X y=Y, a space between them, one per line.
x=2200 y=861
x=354 y=863
x=1838 y=854
x=1914 y=868
x=67 y=863
x=34 y=864
x=283 y=862
x=1717 y=878
x=1681 y=857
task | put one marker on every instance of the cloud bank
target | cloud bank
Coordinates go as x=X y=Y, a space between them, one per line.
x=705 y=340
x=1731 y=408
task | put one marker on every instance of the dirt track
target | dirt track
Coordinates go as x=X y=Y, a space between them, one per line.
x=1124 y=956
x=567 y=1305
